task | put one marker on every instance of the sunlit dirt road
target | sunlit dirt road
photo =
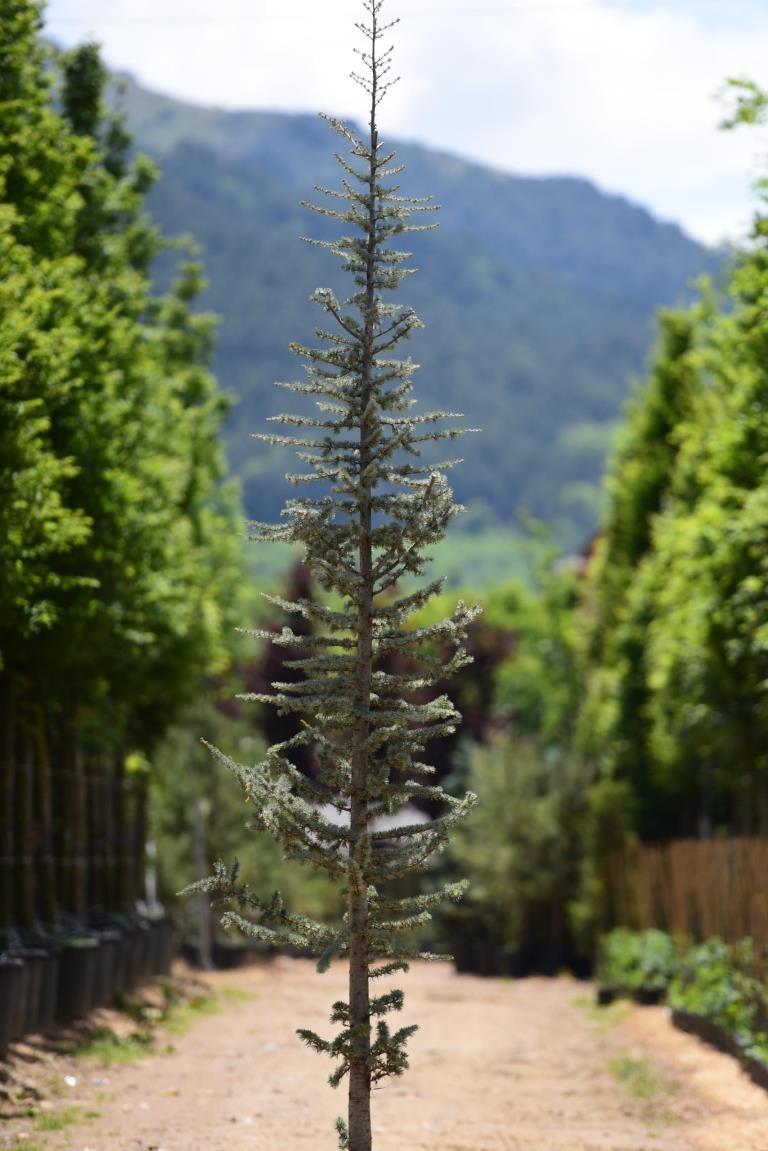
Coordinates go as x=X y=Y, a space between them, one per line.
x=495 y=1066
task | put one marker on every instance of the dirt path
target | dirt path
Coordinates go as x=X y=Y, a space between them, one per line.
x=496 y=1066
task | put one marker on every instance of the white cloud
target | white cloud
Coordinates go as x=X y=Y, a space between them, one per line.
x=620 y=94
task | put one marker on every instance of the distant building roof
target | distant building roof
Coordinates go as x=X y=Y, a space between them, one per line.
x=407 y=816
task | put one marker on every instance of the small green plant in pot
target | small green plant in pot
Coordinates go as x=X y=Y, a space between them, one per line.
x=640 y=964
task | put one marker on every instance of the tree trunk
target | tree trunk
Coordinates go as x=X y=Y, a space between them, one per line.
x=90 y=771
x=140 y=838
x=97 y=767
x=46 y=873
x=7 y=784
x=200 y=810
x=121 y=831
x=108 y=829
x=359 y=992
x=359 y=1005
x=72 y=802
x=25 y=826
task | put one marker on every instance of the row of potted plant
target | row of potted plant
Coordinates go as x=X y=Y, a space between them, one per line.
x=637 y=964
x=714 y=989
x=63 y=977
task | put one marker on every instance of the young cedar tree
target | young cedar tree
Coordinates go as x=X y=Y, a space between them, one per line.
x=378 y=508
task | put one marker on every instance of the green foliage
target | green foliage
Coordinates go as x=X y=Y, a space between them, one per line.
x=612 y=723
x=676 y=703
x=632 y=961
x=38 y=338
x=718 y=981
x=706 y=651
x=519 y=701
x=609 y=822
x=119 y=564
x=116 y=564
x=40 y=170
x=721 y=982
x=41 y=300
x=751 y=102
x=153 y=489
x=539 y=686
x=520 y=849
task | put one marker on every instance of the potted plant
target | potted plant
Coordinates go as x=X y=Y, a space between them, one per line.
x=77 y=972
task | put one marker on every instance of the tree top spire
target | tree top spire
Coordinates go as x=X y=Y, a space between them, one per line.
x=378 y=63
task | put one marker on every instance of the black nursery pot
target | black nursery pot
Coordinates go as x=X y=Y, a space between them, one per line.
x=135 y=956
x=11 y=980
x=49 y=987
x=649 y=996
x=162 y=946
x=476 y=949
x=124 y=964
x=227 y=954
x=143 y=955
x=106 y=968
x=756 y=1070
x=705 y=1029
x=37 y=958
x=77 y=974
x=128 y=972
x=605 y=995
x=19 y=1005
x=27 y=1019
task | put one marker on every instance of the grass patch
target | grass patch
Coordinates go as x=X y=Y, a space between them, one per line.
x=235 y=994
x=646 y=1084
x=181 y=1016
x=21 y=1144
x=57 y=1120
x=602 y=1018
x=639 y=1077
x=108 y=1049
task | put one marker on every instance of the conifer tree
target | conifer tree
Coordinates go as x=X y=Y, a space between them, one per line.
x=378 y=508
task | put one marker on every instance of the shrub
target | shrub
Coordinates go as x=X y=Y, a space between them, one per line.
x=632 y=961
x=718 y=981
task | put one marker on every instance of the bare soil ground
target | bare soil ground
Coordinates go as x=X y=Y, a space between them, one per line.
x=496 y=1066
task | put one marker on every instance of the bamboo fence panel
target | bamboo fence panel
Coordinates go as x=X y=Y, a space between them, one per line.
x=696 y=888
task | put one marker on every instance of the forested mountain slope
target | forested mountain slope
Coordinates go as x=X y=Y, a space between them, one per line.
x=538 y=295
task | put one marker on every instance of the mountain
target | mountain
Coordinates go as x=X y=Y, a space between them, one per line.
x=538 y=296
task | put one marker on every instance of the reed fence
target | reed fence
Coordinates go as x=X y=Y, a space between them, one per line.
x=694 y=888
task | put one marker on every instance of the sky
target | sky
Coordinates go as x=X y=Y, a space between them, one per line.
x=623 y=92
